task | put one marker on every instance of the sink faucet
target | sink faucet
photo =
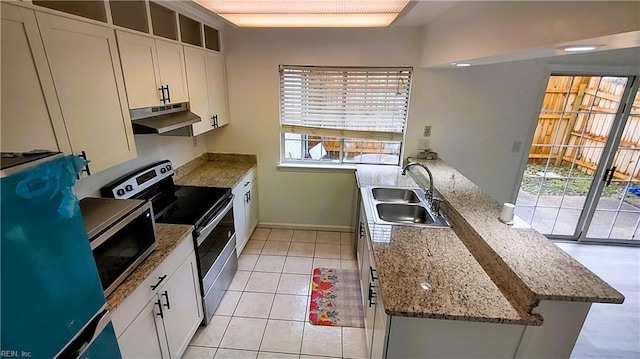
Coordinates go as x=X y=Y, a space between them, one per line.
x=430 y=191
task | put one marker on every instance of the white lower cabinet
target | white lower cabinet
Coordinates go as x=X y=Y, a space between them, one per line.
x=145 y=337
x=163 y=313
x=245 y=208
x=182 y=306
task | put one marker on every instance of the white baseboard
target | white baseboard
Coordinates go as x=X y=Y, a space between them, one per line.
x=309 y=227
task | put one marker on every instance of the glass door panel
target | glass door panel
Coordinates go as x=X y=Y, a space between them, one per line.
x=617 y=213
x=574 y=125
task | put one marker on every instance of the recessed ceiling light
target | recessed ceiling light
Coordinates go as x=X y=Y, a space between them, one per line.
x=579 y=48
x=463 y=65
x=309 y=13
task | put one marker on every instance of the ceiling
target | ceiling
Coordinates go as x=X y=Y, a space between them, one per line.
x=416 y=13
x=419 y=13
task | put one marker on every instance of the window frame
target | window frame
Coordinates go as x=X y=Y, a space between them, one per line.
x=315 y=164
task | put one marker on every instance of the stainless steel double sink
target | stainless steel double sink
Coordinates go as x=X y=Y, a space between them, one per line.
x=404 y=206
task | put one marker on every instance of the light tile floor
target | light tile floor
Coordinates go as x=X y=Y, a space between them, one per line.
x=610 y=330
x=264 y=312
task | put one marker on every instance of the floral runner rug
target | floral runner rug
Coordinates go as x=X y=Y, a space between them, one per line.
x=335 y=298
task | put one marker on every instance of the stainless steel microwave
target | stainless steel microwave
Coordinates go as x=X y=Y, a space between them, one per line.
x=121 y=233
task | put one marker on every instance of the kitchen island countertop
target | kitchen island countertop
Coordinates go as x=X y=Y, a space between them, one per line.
x=479 y=270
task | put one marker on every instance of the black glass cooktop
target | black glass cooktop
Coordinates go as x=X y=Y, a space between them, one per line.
x=192 y=205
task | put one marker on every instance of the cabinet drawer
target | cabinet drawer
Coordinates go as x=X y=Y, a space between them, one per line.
x=125 y=313
x=244 y=182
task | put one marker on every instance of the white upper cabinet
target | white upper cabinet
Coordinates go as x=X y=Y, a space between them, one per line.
x=154 y=70
x=207 y=88
x=196 y=64
x=87 y=76
x=31 y=117
x=216 y=78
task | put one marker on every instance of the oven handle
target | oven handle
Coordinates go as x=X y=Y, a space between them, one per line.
x=204 y=232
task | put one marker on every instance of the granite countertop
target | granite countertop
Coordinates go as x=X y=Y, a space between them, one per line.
x=488 y=271
x=215 y=170
x=458 y=287
x=169 y=236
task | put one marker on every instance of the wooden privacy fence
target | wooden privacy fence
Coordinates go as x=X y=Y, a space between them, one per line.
x=574 y=124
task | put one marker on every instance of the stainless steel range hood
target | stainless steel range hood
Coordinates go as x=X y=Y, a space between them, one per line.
x=169 y=120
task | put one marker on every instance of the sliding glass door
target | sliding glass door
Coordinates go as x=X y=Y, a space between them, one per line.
x=616 y=216
x=580 y=124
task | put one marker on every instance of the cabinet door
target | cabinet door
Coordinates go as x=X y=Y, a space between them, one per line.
x=370 y=305
x=140 y=68
x=360 y=241
x=145 y=337
x=251 y=209
x=182 y=305
x=239 y=215
x=196 y=65
x=172 y=70
x=216 y=78
x=378 y=342
x=30 y=113
x=85 y=65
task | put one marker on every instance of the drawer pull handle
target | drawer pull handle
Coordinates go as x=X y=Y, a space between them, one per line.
x=160 y=313
x=372 y=295
x=372 y=271
x=166 y=296
x=160 y=279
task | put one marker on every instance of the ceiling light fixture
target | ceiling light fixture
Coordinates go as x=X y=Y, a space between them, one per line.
x=579 y=48
x=462 y=65
x=306 y=13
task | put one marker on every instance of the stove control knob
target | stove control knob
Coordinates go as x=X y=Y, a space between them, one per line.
x=163 y=170
x=168 y=167
x=129 y=188
x=120 y=192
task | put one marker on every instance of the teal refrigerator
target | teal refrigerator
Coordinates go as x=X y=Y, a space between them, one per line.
x=52 y=303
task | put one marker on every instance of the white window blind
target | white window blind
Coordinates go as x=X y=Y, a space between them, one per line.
x=360 y=103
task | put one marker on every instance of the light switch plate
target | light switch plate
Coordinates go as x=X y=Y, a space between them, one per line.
x=516 y=146
x=427 y=131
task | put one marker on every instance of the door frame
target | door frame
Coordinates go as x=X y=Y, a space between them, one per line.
x=631 y=72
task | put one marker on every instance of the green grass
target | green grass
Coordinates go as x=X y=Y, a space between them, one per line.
x=576 y=186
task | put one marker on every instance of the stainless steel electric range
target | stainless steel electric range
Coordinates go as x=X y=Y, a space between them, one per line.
x=208 y=209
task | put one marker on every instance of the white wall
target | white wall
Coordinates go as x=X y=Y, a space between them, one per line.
x=507 y=30
x=150 y=148
x=253 y=55
x=478 y=112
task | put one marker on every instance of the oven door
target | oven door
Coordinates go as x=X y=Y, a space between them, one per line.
x=215 y=243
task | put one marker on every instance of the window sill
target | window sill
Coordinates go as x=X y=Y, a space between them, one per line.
x=315 y=167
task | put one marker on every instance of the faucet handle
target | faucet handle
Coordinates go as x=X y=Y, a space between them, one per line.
x=435 y=205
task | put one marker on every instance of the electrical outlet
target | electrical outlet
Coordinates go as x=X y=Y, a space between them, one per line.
x=427 y=131
x=516 y=146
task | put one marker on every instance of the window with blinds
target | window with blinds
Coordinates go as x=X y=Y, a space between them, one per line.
x=339 y=115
